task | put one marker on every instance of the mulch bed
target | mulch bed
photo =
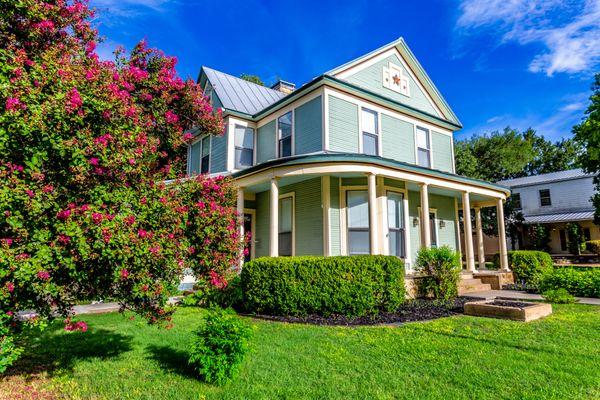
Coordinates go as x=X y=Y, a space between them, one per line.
x=411 y=311
x=509 y=303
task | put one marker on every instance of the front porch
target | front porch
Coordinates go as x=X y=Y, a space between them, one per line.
x=345 y=208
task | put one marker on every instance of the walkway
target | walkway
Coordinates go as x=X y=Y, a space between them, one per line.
x=520 y=295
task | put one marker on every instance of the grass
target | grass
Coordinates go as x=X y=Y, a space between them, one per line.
x=458 y=357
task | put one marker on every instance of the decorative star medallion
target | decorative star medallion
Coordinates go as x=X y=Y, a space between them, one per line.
x=396 y=79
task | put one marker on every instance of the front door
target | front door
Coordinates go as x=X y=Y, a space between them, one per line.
x=248 y=232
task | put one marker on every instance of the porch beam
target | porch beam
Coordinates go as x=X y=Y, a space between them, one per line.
x=274 y=219
x=373 y=225
x=468 y=232
x=502 y=236
x=479 y=229
x=425 y=223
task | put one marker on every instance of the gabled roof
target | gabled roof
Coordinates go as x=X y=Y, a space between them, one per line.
x=238 y=94
x=416 y=68
x=546 y=178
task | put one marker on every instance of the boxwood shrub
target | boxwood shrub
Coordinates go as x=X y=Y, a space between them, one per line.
x=578 y=282
x=346 y=285
x=527 y=265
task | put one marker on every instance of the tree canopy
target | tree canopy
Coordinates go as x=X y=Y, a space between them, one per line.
x=252 y=78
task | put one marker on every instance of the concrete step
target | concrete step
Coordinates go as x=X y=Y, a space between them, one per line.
x=466 y=275
x=476 y=287
x=469 y=281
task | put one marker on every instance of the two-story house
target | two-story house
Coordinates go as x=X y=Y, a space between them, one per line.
x=554 y=200
x=357 y=161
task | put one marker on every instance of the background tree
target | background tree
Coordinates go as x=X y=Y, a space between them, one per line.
x=587 y=134
x=252 y=78
x=86 y=147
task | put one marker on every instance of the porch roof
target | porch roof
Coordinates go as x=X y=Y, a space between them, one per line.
x=560 y=217
x=329 y=157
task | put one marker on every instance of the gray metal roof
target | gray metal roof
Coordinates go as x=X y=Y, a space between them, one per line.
x=562 y=217
x=546 y=178
x=240 y=95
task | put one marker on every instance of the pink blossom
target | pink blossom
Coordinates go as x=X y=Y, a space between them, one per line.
x=171 y=117
x=8 y=241
x=154 y=250
x=64 y=239
x=142 y=233
x=30 y=193
x=74 y=101
x=13 y=104
x=93 y=161
x=216 y=280
x=97 y=218
x=45 y=25
x=129 y=220
x=22 y=256
x=48 y=189
x=131 y=161
x=10 y=287
x=90 y=47
x=124 y=273
x=84 y=208
x=63 y=215
x=188 y=136
x=43 y=275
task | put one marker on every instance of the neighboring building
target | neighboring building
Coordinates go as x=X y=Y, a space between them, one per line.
x=345 y=163
x=554 y=200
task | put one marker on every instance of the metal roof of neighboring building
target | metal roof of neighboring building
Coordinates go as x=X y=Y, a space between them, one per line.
x=545 y=178
x=562 y=217
x=240 y=95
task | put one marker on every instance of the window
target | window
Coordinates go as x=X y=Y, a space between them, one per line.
x=516 y=200
x=395 y=224
x=208 y=93
x=286 y=225
x=370 y=136
x=423 y=147
x=433 y=229
x=563 y=239
x=284 y=130
x=244 y=146
x=358 y=222
x=205 y=155
x=545 y=198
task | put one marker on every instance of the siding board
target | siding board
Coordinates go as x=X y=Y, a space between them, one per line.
x=343 y=125
x=265 y=142
x=398 y=139
x=308 y=135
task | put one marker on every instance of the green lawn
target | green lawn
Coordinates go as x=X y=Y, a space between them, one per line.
x=451 y=358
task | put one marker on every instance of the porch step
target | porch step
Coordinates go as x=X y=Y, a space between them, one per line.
x=468 y=284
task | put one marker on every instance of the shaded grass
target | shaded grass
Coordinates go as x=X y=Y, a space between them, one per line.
x=451 y=358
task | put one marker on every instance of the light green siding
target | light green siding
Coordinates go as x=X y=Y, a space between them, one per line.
x=445 y=212
x=265 y=142
x=218 y=154
x=261 y=234
x=398 y=139
x=308 y=128
x=194 y=162
x=308 y=221
x=334 y=217
x=442 y=151
x=343 y=125
x=371 y=78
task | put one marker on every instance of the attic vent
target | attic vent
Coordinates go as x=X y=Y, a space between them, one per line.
x=284 y=87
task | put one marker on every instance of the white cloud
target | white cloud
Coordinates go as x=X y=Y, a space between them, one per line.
x=569 y=30
x=128 y=8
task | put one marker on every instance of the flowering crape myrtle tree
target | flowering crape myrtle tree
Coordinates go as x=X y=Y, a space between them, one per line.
x=85 y=146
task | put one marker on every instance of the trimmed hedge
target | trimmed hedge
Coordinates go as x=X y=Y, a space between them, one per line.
x=527 y=265
x=352 y=286
x=583 y=283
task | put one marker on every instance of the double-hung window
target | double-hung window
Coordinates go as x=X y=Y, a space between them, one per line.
x=370 y=132
x=545 y=199
x=358 y=222
x=423 y=147
x=395 y=224
x=286 y=225
x=433 y=229
x=284 y=132
x=516 y=200
x=205 y=155
x=244 y=146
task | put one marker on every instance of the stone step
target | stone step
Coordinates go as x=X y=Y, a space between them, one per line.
x=479 y=287
x=469 y=281
x=466 y=275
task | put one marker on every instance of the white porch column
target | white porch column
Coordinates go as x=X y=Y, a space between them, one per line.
x=373 y=225
x=425 y=223
x=502 y=236
x=468 y=232
x=240 y=211
x=479 y=229
x=274 y=220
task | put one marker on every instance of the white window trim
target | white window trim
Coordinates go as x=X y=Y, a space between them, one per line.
x=293 y=196
x=292 y=136
x=230 y=127
x=549 y=197
x=405 y=216
x=246 y=126
x=431 y=164
x=196 y=140
x=360 y=131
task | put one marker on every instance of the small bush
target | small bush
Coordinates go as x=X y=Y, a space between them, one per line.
x=582 y=283
x=593 y=246
x=442 y=267
x=558 y=296
x=527 y=265
x=9 y=351
x=220 y=346
x=296 y=286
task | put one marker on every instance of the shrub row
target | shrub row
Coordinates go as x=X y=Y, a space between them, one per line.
x=350 y=286
x=527 y=265
x=584 y=283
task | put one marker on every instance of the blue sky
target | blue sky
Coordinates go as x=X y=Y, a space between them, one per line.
x=523 y=63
